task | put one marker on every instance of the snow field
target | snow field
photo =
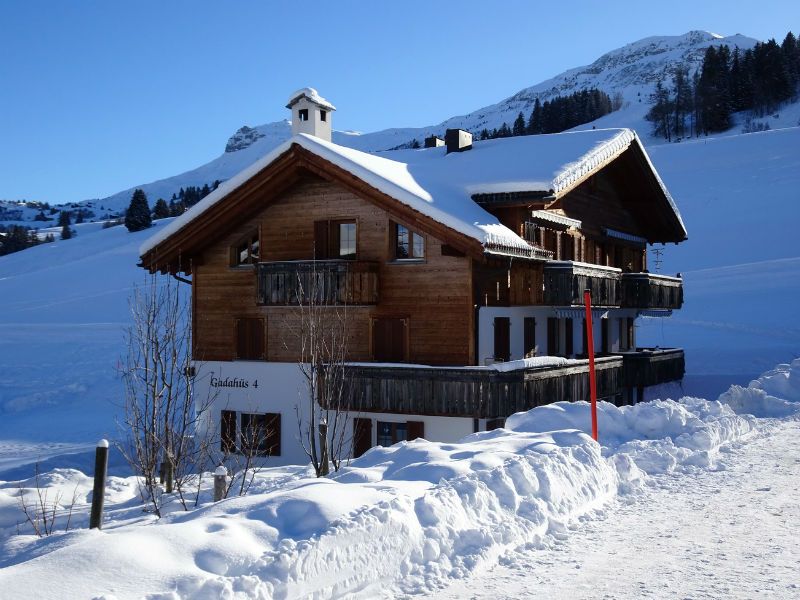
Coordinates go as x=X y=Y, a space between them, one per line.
x=399 y=520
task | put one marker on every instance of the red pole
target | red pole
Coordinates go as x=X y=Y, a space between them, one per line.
x=587 y=300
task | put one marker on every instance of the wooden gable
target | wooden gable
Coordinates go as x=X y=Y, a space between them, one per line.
x=184 y=248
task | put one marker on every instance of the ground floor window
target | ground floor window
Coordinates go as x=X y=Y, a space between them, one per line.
x=255 y=434
x=390 y=433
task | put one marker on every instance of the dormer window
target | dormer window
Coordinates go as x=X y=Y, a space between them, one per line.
x=408 y=244
x=302 y=114
x=323 y=115
x=246 y=252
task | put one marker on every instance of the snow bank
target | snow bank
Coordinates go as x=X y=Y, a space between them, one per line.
x=398 y=520
x=776 y=393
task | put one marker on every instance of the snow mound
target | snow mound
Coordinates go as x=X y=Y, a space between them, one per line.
x=776 y=393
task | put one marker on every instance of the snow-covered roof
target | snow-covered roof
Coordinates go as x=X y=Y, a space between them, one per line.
x=441 y=185
x=312 y=95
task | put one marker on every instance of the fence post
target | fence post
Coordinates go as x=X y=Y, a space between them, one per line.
x=587 y=299
x=324 y=467
x=220 y=482
x=169 y=474
x=99 y=489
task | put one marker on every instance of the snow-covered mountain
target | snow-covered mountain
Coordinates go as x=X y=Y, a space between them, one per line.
x=628 y=73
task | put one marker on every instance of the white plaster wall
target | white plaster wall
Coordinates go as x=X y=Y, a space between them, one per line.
x=517 y=314
x=280 y=390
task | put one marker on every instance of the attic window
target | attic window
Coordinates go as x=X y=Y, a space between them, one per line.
x=408 y=244
x=323 y=115
x=302 y=114
x=246 y=252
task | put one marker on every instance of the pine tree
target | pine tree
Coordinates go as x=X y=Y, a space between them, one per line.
x=66 y=232
x=160 y=210
x=660 y=113
x=137 y=216
x=519 y=125
x=64 y=218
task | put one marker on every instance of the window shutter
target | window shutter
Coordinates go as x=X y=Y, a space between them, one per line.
x=568 y=337
x=416 y=429
x=502 y=339
x=250 y=343
x=321 y=242
x=362 y=436
x=228 y=432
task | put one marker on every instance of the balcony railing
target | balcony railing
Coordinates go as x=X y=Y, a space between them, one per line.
x=475 y=392
x=565 y=282
x=647 y=290
x=652 y=366
x=325 y=282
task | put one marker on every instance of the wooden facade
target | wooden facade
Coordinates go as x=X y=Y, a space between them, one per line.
x=432 y=295
x=412 y=287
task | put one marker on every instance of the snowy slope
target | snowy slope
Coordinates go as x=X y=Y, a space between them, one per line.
x=63 y=306
x=631 y=71
x=740 y=198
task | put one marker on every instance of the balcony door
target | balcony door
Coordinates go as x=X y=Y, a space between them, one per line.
x=390 y=339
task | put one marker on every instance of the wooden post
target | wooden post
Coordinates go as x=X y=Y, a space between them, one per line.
x=220 y=482
x=99 y=489
x=324 y=467
x=169 y=474
x=587 y=299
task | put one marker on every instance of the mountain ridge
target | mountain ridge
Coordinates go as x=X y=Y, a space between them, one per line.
x=629 y=72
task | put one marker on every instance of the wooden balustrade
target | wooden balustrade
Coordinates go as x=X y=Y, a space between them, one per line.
x=327 y=282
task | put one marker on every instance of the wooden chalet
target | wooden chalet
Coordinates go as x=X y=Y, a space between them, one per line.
x=461 y=266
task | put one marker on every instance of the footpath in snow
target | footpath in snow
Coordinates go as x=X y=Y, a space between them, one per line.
x=414 y=517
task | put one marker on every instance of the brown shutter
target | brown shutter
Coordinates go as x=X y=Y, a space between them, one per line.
x=529 y=336
x=416 y=429
x=585 y=340
x=568 y=339
x=552 y=337
x=250 y=339
x=321 y=242
x=227 y=442
x=273 y=434
x=604 y=336
x=362 y=436
x=502 y=338
x=389 y=340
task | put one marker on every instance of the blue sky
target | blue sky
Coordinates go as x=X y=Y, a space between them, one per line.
x=98 y=96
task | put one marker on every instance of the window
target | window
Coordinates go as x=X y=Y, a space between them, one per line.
x=335 y=240
x=246 y=252
x=408 y=244
x=260 y=434
x=250 y=339
x=302 y=114
x=391 y=433
x=323 y=115
x=347 y=240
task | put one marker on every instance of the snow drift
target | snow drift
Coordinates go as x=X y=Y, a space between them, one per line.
x=402 y=519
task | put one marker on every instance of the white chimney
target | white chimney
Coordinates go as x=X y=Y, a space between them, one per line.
x=311 y=113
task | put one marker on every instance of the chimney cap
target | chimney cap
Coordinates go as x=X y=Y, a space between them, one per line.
x=312 y=95
x=457 y=140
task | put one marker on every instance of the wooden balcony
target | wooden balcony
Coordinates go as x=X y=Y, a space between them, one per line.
x=475 y=392
x=565 y=282
x=648 y=290
x=652 y=366
x=329 y=282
